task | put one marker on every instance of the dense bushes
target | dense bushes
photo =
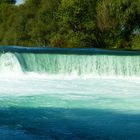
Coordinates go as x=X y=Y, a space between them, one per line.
x=71 y=23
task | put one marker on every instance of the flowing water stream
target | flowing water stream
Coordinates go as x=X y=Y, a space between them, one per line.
x=69 y=97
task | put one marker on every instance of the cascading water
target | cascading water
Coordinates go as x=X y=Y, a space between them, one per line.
x=34 y=106
x=80 y=65
x=9 y=64
x=96 y=65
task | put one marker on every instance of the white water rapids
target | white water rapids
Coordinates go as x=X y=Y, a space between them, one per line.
x=48 y=97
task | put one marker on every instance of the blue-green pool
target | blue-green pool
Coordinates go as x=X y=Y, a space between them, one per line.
x=59 y=97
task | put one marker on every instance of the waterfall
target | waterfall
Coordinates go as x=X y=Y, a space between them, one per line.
x=9 y=64
x=80 y=65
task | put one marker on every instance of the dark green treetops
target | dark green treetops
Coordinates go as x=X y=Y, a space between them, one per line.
x=71 y=23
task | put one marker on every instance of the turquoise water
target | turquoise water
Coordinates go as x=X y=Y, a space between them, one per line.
x=69 y=97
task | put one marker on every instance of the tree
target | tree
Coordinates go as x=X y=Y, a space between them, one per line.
x=8 y=1
x=117 y=20
x=76 y=23
x=6 y=12
x=71 y=23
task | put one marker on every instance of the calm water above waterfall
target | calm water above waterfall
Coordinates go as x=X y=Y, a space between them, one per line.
x=69 y=97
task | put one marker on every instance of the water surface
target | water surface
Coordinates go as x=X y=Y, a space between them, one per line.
x=60 y=97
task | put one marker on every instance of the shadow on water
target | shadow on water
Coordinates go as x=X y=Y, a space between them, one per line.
x=68 y=124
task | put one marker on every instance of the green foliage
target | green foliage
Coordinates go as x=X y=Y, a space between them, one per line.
x=71 y=23
x=136 y=42
x=8 y=1
x=117 y=20
x=76 y=22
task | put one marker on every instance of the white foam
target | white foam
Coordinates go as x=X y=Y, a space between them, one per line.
x=9 y=65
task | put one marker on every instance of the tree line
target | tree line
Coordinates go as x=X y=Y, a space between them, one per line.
x=71 y=23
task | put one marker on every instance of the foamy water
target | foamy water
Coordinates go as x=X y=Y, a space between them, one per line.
x=42 y=103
